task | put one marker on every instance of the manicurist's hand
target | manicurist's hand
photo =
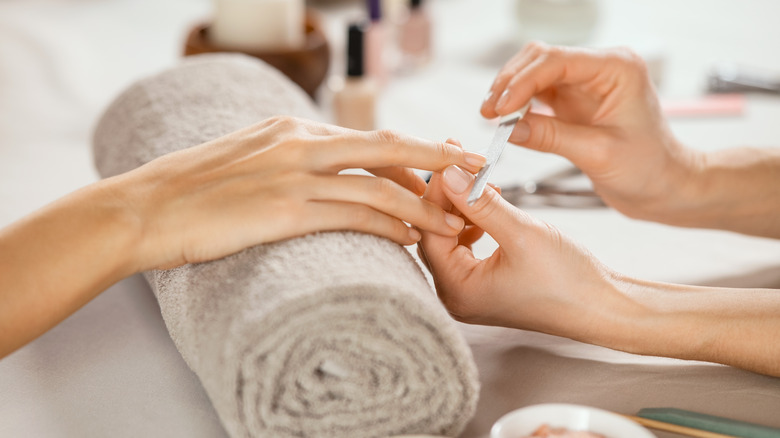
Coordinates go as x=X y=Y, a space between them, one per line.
x=538 y=279
x=607 y=121
x=271 y=181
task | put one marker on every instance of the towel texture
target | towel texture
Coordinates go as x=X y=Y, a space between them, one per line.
x=327 y=335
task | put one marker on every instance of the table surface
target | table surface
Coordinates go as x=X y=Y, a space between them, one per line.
x=111 y=369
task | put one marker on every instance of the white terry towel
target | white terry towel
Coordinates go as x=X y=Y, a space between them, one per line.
x=328 y=335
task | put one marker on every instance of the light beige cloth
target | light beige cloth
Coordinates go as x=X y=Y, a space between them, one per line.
x=332 y=334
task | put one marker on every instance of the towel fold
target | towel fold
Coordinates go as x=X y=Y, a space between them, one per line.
x=328 y=335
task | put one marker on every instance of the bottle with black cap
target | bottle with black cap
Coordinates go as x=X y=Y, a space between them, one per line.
x=354 y=104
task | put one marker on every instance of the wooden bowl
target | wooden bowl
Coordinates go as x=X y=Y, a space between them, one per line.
x=306 y=66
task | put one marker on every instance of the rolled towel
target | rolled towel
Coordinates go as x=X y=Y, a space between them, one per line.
x=330 y=335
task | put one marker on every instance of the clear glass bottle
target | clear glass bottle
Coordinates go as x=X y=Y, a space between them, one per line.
x=415 y=36
x=354 y=104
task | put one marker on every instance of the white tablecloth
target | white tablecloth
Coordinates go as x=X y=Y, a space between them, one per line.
x=111 y=369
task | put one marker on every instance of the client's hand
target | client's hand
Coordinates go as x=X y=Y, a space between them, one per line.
x=537 y=279
x=275 y=180
x=607 y=121
x=280 y=179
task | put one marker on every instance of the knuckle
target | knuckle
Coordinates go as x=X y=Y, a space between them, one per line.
x=546 y=137
x=431 y=214
x=485 y=206
x=535 y=47
x=504 y=77
x=361 y=217
x=447 y=152
x=629 y=58
x=385 y=190
x=387 y=136
x=282 y=123
x=550 y=52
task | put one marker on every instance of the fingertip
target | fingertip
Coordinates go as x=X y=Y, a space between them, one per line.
x=455 y=142
x=420 y=186
x=474 y=160
x=503 y=100
x=487 y=111
x=488 y=96
x=414 y=235
x=455 y=223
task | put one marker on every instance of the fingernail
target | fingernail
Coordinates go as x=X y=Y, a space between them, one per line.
x=488 y=96
x=522 y=132
x=414 y=234
x=456 y=179
x=474 y=159
x=503 y=99
x=454 y=222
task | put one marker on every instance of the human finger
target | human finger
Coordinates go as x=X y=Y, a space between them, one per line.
x=507 y=72
x=490 y=212
x=403 y=176
x=550 y=66
x=386 y=196
x=335 y=216
x=374 y=149
x=434 y=194
x=454 y=141
x=424 y=258
x=441 y=246
x=585 y=146
x=470 y=235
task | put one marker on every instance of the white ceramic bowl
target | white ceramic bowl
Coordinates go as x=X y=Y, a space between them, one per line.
x=522 y=422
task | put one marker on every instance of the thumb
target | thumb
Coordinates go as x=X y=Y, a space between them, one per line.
x=490 y=212
x=582 y=145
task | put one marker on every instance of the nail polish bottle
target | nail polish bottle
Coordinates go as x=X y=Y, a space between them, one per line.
x=415 y=38
x=354 y=104
x=376 y=43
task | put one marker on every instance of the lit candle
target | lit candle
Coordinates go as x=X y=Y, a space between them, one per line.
x=258 y=25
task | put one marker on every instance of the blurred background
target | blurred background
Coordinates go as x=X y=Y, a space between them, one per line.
x=63 y=61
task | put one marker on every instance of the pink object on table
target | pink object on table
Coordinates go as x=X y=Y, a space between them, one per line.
x=705 y=106
x=708 y=105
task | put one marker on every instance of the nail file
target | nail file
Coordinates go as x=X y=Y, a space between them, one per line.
x=709 y=423
x=500 y=139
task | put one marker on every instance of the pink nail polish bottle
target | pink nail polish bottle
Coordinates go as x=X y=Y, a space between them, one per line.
x=376 y=43
x=354 y=104
x=415 y=38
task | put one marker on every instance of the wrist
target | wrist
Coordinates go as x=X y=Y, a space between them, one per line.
x=657 y=321
x=680 y=193
x=117 y=212
x=616 y=316
x=731 y=189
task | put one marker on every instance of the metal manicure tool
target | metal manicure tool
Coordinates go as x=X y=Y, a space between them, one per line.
x=500 y=139
x=730 y=78
x=566 y=188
